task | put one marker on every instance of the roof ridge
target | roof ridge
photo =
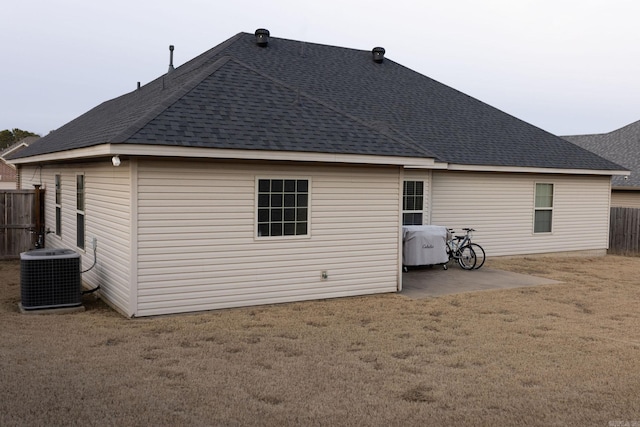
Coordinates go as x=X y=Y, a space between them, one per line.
x=195 y=64
x=584 y=135
x=199 y=67
x=204 y=72
x=615 y=131
x=407 y=144
x=310 y=43
x=631 y=125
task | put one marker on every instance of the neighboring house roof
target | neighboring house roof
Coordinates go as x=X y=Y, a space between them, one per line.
x=7 y=171
x=621 y=146
x=17 y=146
x=306 y=97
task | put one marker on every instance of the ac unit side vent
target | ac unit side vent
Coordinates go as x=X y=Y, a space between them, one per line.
x=50 y=278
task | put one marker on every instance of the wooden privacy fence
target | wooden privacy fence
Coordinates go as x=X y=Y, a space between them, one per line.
x=18 y=219
x=624 y=231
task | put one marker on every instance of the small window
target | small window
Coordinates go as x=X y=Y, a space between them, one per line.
x=543 y=215
x=58 y=185
x=283 y=207
x=80 y=211
x=413 y=203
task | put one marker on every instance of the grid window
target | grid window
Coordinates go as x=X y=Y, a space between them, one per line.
x=58 y=185
x=283 y=207
x=413 y=203
x=543 y=212
x=80 y=194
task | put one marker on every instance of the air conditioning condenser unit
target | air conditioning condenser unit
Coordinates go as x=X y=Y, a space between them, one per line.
x=50 y=278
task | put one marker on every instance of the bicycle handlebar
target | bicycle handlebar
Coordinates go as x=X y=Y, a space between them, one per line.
x=468 y=230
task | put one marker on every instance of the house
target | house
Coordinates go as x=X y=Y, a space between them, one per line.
x=621 y=146
x=8 y=175
x=269 y=170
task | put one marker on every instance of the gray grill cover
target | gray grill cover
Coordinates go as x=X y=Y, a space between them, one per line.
x=424 y=245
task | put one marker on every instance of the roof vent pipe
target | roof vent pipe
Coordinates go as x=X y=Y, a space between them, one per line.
x=170 y=59
x=262 y=37
x=378 y=54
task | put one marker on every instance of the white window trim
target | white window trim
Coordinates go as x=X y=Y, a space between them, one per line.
x=535 y=209
x=57 y=231
x=421 y=211
x=255 y=210
x=83 y=211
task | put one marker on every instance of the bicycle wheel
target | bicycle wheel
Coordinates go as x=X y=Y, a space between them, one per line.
x=467 y=257
x=479 y=254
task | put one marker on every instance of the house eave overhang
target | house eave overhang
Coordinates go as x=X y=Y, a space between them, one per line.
x=144 y=150
x=627 y=188
x=539 y=170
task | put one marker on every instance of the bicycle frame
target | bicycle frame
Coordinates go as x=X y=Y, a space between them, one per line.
x=455 y=243
x=459 y=248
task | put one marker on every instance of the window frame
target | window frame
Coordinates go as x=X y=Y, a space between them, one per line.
x=257 y=210
x=81 y=211
x=537 y=208
x=404 y=199
x=57 y=183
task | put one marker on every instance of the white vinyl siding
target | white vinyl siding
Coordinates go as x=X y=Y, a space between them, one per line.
x=197 y=248
x=501 y=208
x=625 y=199
x=107 y=210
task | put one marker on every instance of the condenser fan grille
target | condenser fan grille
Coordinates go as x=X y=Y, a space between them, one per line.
x=50 y=279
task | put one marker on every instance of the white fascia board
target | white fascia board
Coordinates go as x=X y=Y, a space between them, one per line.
x=213 y=153
x=105 y=150
x=435 y=165
x=519 y=169
x=80 y=153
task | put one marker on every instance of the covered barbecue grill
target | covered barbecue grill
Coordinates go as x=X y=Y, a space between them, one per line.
x=424 y=245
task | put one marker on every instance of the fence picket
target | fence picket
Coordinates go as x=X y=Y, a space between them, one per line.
x=624 y=231
x=16 y=220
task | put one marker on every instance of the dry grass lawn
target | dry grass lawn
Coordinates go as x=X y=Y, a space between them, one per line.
x=565 y=354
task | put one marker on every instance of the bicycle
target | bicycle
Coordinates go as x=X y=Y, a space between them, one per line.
x=480 y=255
x=457 y=248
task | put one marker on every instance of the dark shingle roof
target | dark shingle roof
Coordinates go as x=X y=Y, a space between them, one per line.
x=298 y=96
x=621 y=146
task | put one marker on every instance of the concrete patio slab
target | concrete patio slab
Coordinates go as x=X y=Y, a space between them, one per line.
x=435 y=281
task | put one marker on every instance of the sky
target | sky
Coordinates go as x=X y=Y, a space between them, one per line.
x=567 y=66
